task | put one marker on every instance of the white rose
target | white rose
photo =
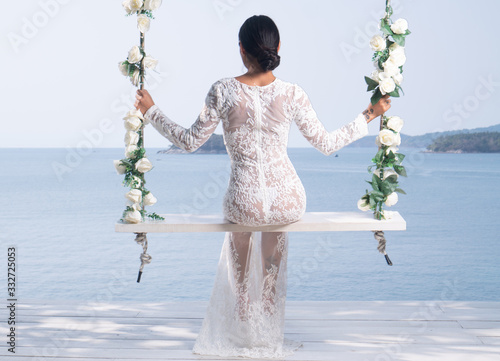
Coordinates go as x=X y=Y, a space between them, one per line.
x=129 y=151
x=378 y=43
x=387 y=86
x=397 y=58
x=149 y=199
x=375 y=75
x=134 y=55
x=391 y=149
x=135 y=196
x=150 y=62
x=120 y=168
x=363 y=206
x=391 y=69
x=132 y=124
x=387 y=137
x=134 y=113
x=400 y=26
x=387 y=173
x=377 y=141
x=131 y=138
x=397 y=140
x=123 y=68
x=152 y=4
x=135 y=5
x=143 y=23
x=143 y=165
x=395 y=47
x=392 y=199
x=136 y=77
x=133 y=217
x=398 y=79
x=127 y=6
x=395 y=123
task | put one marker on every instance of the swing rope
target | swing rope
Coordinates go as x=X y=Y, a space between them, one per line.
x=379 y=235
x=142 y=240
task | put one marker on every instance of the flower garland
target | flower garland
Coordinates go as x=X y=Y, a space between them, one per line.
x=136 y=164
x=387 y=77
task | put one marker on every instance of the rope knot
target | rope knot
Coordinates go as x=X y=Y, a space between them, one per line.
x=380 y=237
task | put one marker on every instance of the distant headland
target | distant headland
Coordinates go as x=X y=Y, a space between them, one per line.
x=478 y=140
x=214 y=145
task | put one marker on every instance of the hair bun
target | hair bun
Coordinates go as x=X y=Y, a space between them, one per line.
x=269 y=59
x=260 y=38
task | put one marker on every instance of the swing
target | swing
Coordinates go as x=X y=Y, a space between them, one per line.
x=137 y=164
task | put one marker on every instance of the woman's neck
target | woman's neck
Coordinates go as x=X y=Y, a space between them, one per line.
x=257 y=78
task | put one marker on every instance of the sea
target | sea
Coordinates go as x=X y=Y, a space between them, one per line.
x=59 y=208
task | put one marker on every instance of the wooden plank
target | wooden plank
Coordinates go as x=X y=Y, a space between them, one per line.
x=348 y=331
x=310 y=222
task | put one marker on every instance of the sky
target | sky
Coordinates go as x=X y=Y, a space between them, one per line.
x=62 y=86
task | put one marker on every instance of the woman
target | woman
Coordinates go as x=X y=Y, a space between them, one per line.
x=246 y=313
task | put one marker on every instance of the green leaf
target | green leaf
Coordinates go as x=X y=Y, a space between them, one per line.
x=389 y=11
x=391 y=155
x=394 y=93
x=375 y=182
x=399 y=39
x=376 y=96
x=400 y=170
x=388 y=187
x=400 y=156
x=386 y=28
x=372 y=84
x=379 y=155
x=399 y=190
x=155 y=216
x=377 y=196
x=392 y=179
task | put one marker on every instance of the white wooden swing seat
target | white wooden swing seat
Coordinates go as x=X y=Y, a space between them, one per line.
x=310 y=222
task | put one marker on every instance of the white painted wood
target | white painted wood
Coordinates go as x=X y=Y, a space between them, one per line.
x=343 y=331
x=310 y=222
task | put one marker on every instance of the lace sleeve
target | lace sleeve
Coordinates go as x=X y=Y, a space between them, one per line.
x=314 y=131
x=193 y=138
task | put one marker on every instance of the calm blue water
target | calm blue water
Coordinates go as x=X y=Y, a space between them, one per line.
x=67 y=248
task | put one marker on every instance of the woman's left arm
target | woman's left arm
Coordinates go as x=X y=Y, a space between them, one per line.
x=329 y=142
x=188 y=139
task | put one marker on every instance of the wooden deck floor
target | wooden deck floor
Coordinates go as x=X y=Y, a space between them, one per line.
x=343 y=331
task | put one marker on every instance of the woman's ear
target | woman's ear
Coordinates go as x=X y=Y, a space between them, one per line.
x=279 y=46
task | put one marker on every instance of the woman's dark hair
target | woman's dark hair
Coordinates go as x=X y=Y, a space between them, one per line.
x=260 y=38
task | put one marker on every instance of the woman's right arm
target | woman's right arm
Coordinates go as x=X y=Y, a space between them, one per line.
x=188 y=139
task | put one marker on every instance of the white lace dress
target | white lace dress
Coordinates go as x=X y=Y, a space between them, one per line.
x=246 y=313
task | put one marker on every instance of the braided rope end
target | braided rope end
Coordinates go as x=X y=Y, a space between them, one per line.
x=380 y=237
x=145 y=258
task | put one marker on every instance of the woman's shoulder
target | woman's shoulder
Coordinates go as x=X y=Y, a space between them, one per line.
x=224 y=92
x=293 y=89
